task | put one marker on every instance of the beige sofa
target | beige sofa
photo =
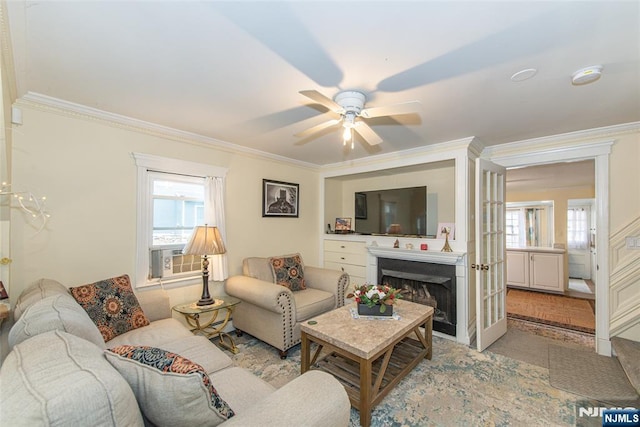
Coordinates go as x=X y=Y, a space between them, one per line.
x=273 y=313
x=59 y=372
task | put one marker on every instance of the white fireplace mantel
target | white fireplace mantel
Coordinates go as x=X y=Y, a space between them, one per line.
x=449 y=258
x=464 y=331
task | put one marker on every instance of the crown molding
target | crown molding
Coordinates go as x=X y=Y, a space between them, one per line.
x=414 y=156
x=78 y=111
x=558 y=142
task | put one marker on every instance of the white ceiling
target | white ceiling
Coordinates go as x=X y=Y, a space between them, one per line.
x=231 y=71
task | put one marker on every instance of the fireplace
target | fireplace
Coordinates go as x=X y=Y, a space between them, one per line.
x=424 y=283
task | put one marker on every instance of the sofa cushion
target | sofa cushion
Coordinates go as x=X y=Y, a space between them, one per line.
x=59 y=312
x=155 y=334
x=313 y=302
x=171 y=335
x=164 y=382
x=35 y=292
x=232 y=384
x=112 y=306
x=58 y=379
x=288 y=271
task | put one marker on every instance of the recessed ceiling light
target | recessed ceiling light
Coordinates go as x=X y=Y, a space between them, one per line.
x=586 y=75
x=524 y=75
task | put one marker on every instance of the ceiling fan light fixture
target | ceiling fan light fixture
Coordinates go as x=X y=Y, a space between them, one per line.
x=346 y=135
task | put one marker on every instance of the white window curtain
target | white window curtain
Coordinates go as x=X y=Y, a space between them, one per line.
x=577 y=231
x=214 y=215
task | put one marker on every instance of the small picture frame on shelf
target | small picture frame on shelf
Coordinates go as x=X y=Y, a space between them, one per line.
x=444 y=228
x=343 y=225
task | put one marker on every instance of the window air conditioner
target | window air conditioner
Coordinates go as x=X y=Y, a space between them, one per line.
x=166 y=263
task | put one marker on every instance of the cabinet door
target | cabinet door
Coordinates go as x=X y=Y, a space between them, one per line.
x=547 y=271
x=518 y=268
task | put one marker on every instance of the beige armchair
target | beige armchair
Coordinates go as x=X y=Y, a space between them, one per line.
x=272 y=312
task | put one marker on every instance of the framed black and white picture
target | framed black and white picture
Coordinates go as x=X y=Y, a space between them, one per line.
x=280 y=198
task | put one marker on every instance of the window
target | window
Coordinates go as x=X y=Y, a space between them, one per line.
x=512 y=231
x=174 y=196
x=529 y=224
x=177 y=207
x=578 y=227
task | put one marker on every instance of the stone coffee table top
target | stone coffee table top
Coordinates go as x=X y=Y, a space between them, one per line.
x=366 y=337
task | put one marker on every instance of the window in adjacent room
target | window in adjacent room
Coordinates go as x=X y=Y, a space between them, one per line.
x=578 y=227
x=529 y=224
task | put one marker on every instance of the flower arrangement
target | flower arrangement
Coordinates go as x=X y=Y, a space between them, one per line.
x=372 y=295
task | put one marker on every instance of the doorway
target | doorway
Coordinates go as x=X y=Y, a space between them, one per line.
x=566 y=191
x=597 y=152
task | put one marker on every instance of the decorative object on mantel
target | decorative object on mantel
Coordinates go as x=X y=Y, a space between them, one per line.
x=3 y=292
x=31 y=205
x=375 y=300
x=396 y=244
x=204 y=241
x=446 y=247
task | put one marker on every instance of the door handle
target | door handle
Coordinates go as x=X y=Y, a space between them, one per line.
x=5 y=261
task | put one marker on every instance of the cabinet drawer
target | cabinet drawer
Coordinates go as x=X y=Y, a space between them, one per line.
x=346 y=258
x=345 y=246
x=351 y=270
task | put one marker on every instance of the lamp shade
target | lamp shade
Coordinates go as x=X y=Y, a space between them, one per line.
x=205 y=240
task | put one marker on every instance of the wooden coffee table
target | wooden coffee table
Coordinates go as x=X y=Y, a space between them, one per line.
x=369 y=357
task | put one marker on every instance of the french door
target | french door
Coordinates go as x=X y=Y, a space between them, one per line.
x=490 y=265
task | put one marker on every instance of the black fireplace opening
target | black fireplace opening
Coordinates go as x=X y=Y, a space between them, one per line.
x=424 y=283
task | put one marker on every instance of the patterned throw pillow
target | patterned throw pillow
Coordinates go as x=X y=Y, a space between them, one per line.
x=289 y=271
x=112 y=306
x=171 y=389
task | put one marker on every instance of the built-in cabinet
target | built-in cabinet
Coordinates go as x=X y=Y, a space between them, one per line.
x=347 y=256
x=536 y=268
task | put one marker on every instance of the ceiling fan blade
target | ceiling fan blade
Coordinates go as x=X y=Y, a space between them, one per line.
x=318 y=128
x=367 y=133
x=321 y=99
x=392 y=110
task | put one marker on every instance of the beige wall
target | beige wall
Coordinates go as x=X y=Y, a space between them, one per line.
x=86 y=171
x=624 y=181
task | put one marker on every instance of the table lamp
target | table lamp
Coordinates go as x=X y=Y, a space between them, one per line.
x=205 y=240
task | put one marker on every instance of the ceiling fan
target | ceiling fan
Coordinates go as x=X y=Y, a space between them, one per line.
x=349 y=105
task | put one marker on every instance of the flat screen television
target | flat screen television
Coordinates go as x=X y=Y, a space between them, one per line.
x=397 y=211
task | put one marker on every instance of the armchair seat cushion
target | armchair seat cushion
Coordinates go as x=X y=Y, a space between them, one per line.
x=312 y=302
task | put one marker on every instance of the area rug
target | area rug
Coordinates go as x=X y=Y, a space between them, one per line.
x=550 y=309
x=522 y=344
x=459 y=386
x=590 y=375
